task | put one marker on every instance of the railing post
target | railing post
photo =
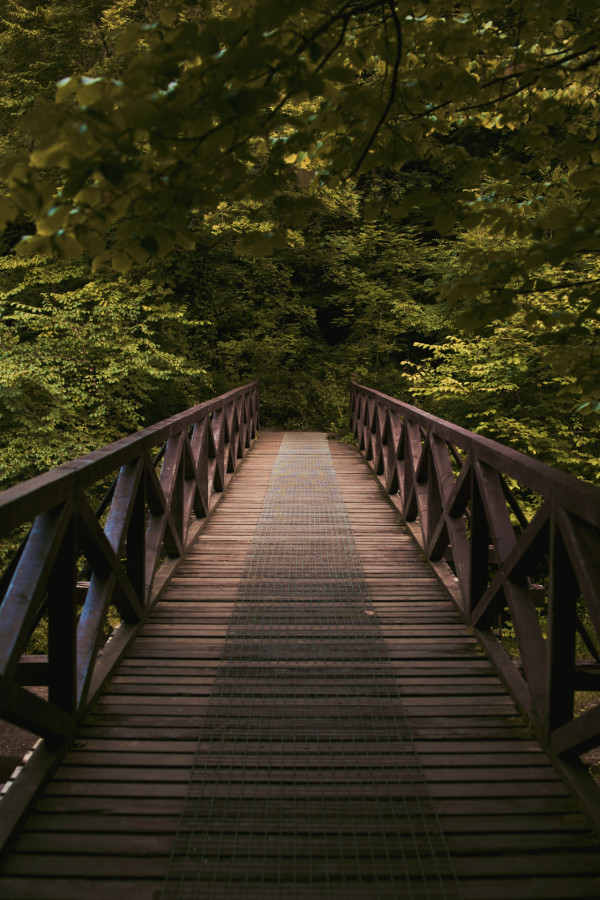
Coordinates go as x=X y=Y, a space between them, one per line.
x=435 y=507
x=136 y=541
x=216 y=451
x=479 y=544
x=394 y=425
x=562 y=620
x=62 y=623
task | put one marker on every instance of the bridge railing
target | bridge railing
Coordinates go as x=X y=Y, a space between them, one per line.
x=80 y=557
x=523 y=543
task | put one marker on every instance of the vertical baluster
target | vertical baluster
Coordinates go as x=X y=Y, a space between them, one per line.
x=256 y=409
x=177 y=501
x=216 y=451
x=379 y=440
x=230 y=459
x=62 y=623
x=238 y=426
x=480 y=540
x=248 y=427
x=412 y=447
x=199 y=444
x=562 y=623
x=394 y=431
x=434 y=496
x=136 y=541
x=355 y=418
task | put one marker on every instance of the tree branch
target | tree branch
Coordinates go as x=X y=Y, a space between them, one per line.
x=393 y=89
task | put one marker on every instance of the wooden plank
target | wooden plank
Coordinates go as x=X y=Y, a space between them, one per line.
x=101 y=824
x=39 y=865
x=569 y=886
x=68 y=888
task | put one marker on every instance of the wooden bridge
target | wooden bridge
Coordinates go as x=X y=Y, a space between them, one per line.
x=310 y=694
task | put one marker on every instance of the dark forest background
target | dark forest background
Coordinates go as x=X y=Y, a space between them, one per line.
x=396 y=276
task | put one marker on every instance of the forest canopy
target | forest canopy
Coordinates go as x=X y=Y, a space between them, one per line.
x=408 y=192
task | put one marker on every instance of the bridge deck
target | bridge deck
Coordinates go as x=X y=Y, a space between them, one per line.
x=305 y=717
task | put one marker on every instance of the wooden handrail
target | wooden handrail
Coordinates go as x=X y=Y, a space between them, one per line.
x=450 y=486
x=75 y=563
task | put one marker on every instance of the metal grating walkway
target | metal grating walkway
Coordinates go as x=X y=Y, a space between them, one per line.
x=306 y=777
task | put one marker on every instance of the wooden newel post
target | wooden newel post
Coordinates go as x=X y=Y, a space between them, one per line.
x=62 y=623
x=562 y=623
x=479 y=544
x=136 y=542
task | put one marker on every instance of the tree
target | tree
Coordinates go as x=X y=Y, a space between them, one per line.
x=332 y=166
x=232 y=101
x=80 y=358
x=499 y=383
x=84 y=358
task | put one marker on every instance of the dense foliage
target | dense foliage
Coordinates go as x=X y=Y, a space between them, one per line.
x=199 y=193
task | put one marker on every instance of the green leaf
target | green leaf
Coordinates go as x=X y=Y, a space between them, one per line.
x=340 y=74
x=315 y=51
x=167 y=15
x=89 y=90
x=444 y=221
x=127 y=40
x=66 y=88
x=121 y=262
x=8 y=211
x=53 y=155
x=66 y=246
